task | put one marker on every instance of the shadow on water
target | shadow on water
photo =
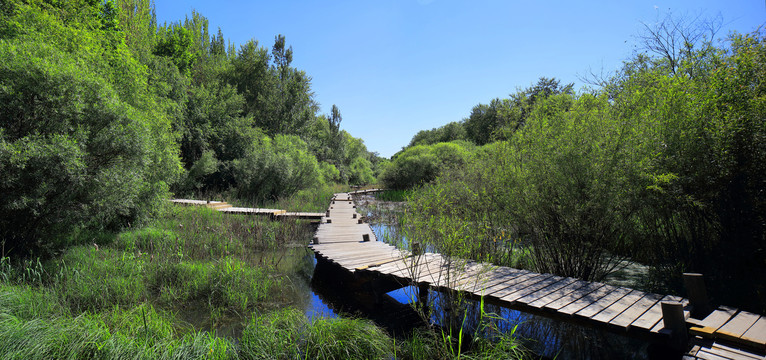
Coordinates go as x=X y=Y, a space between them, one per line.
x=354 y=296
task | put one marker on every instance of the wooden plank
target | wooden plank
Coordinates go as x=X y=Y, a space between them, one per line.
x=536 y=295
x=395 y=266
x=558 y=294
x=512 y=282
x=359 y=254
x=403 y=266
x=419 y=265
x=705 y=354
x=611 y=312
x=729 y=353
x=516 y=284
x=469 y=283
x=552 y=280
x=744 y=354
x=522 y=286
x=495 y=277
x=422 y=269
x=349 y=249
x=471 y=271
x=635 y=311
x=603 y=303
x=756 y=334
x=737 y=326
x=373 y=265
x=588 y=300
x=651 y=317
x=707 y=326
x=462 y=273
x=573 y=296
x=356 y=263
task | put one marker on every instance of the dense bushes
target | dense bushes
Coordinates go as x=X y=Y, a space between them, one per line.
x=81 y=140
x=275 y=167
x=421 y=164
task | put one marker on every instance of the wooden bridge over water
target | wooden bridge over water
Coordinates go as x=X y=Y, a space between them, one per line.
x=344 y=239
x=226 y=208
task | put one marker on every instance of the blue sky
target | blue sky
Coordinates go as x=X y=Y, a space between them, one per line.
x=395 y=67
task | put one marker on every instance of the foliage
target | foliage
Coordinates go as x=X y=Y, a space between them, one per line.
x=82 y=143
x=360 y=172
x=275 y=167
x=447 y=133
x=423 y=163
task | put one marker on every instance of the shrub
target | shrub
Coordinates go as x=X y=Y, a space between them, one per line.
x=276 y=167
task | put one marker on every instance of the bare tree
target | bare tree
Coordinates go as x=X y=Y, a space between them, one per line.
x=676 y=39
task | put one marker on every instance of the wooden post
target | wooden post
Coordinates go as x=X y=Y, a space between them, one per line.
x=333 y=202
x=354 y=216
x=359 y=221
x=423 y=297
x=327 y=214
x=673 y=317
x=695 y=289
x=329 y=221
x=349 y=202
x=365 y=237
x=416 y=249
x=315 y=240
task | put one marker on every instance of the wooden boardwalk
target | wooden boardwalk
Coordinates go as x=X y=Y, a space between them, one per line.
x=342 y=238
x=227 y=208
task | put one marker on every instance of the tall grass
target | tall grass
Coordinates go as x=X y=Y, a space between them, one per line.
x=394 y=195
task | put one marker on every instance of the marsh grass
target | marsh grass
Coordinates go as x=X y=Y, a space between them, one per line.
x=394 y=195
x=288 y=334
x=121 y=295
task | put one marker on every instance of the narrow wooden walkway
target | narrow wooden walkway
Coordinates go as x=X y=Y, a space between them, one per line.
x=344 y=239
x=227 y=208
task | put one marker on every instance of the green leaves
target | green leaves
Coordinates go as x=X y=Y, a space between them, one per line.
x=75 y=151
x=275 y=167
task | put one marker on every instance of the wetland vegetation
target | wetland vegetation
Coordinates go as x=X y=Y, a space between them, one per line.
x=105 y=114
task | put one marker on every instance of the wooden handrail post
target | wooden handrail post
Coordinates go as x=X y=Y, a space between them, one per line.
x=695 y=289
x=423 y=297
x=365 y=237
x=416 y=249
x=353 y=216
x=327 y=213
x=673 y=317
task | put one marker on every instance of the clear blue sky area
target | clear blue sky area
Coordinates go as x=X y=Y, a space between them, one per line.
x=395 y=67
